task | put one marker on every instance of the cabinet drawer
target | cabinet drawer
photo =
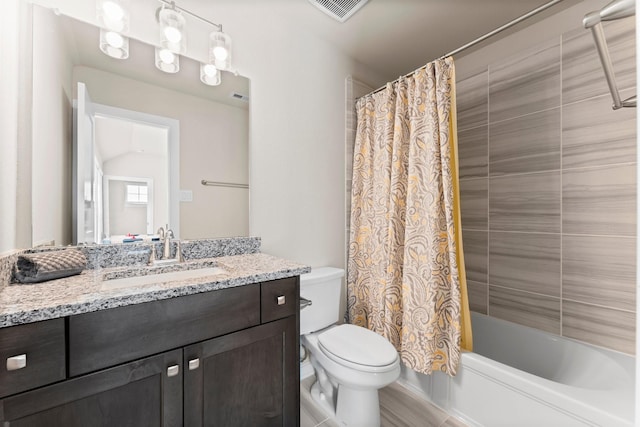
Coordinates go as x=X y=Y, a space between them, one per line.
x=40 y=347
x=139 y=393
x=280 y=298
x=109 y=337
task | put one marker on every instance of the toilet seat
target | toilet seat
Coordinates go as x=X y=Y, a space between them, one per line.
x=358 y=348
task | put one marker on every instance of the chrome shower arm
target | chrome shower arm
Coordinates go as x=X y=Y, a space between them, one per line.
x=617 y=9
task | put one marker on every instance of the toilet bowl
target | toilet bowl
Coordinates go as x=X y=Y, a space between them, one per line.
x=350 y=362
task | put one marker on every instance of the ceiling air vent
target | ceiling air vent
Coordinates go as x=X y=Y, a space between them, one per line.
x=340 y=10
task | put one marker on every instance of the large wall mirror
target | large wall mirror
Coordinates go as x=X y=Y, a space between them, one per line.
x=145 y=141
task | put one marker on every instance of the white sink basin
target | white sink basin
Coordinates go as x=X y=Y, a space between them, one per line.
x=171 y=276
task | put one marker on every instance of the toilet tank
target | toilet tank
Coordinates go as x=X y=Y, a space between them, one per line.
x=323 y=288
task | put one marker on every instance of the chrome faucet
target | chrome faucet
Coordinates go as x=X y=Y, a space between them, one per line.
x=165 y=237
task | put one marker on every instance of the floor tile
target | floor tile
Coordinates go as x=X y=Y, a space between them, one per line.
x=399 y=407
x=310 y=414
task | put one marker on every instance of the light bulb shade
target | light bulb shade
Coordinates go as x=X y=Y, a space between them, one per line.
x=172 y=30
x=220 y=50
x=114 y=44
x=167 y=61
x=210 y=75
x=113 y=15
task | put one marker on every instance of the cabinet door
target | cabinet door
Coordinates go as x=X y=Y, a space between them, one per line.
x=248 y=378
x=140 y=393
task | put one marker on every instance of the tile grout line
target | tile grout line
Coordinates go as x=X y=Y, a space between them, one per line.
x=561 y=299
x=525 y=115
x=600 y=305
x=561 y=190
x=578 y=101
x=571 y=169
x=549 y=233
x=589 y=98
x=488 y=252
x=526 y=292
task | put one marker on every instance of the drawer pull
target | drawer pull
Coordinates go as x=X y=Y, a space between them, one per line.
x=194 y=364
x=172 y=371
x=16 y=362
x=281 y=300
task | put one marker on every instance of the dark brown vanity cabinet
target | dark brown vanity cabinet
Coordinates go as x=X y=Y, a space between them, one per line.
x=220 y=358
x=139 y=393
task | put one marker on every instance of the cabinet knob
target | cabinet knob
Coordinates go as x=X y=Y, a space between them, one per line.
x=281 y=300
x=16 y=362
x=172 y=371
x=194 y=364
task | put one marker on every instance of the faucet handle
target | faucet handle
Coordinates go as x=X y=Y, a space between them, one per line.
x=179 y=256
x=153 y=255
x=170 y=234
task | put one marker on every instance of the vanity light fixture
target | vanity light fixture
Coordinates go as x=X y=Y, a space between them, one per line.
x=210 y=75
x=113 y=15
x=167 y=61
x=220 y=49
x=114 y=44
x=172 y=21
x=172 y=29
x=113 y=19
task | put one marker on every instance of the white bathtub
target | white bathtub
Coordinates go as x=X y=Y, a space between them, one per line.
x=519 y=376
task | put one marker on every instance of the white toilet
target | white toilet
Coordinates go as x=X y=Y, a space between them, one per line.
x=350 y=362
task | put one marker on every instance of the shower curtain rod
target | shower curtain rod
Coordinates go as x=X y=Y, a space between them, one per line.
x=482 y=38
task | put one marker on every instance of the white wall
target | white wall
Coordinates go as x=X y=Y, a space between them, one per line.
x=52 y=136
x=15 y=119
x=297 y=130
x=8 y=123
x=637 y=400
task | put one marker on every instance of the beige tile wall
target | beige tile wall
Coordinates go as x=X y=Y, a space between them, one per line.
x=548 y=183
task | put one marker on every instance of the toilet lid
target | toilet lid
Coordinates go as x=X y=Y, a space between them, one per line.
x=357 y=345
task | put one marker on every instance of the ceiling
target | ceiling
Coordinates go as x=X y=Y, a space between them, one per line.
x=117 y=137
x=395 y=37
x=390 y=37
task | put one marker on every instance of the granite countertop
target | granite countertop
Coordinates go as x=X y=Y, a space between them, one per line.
x=22 y=303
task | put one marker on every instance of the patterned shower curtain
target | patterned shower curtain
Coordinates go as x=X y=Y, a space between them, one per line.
x=406 y=278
